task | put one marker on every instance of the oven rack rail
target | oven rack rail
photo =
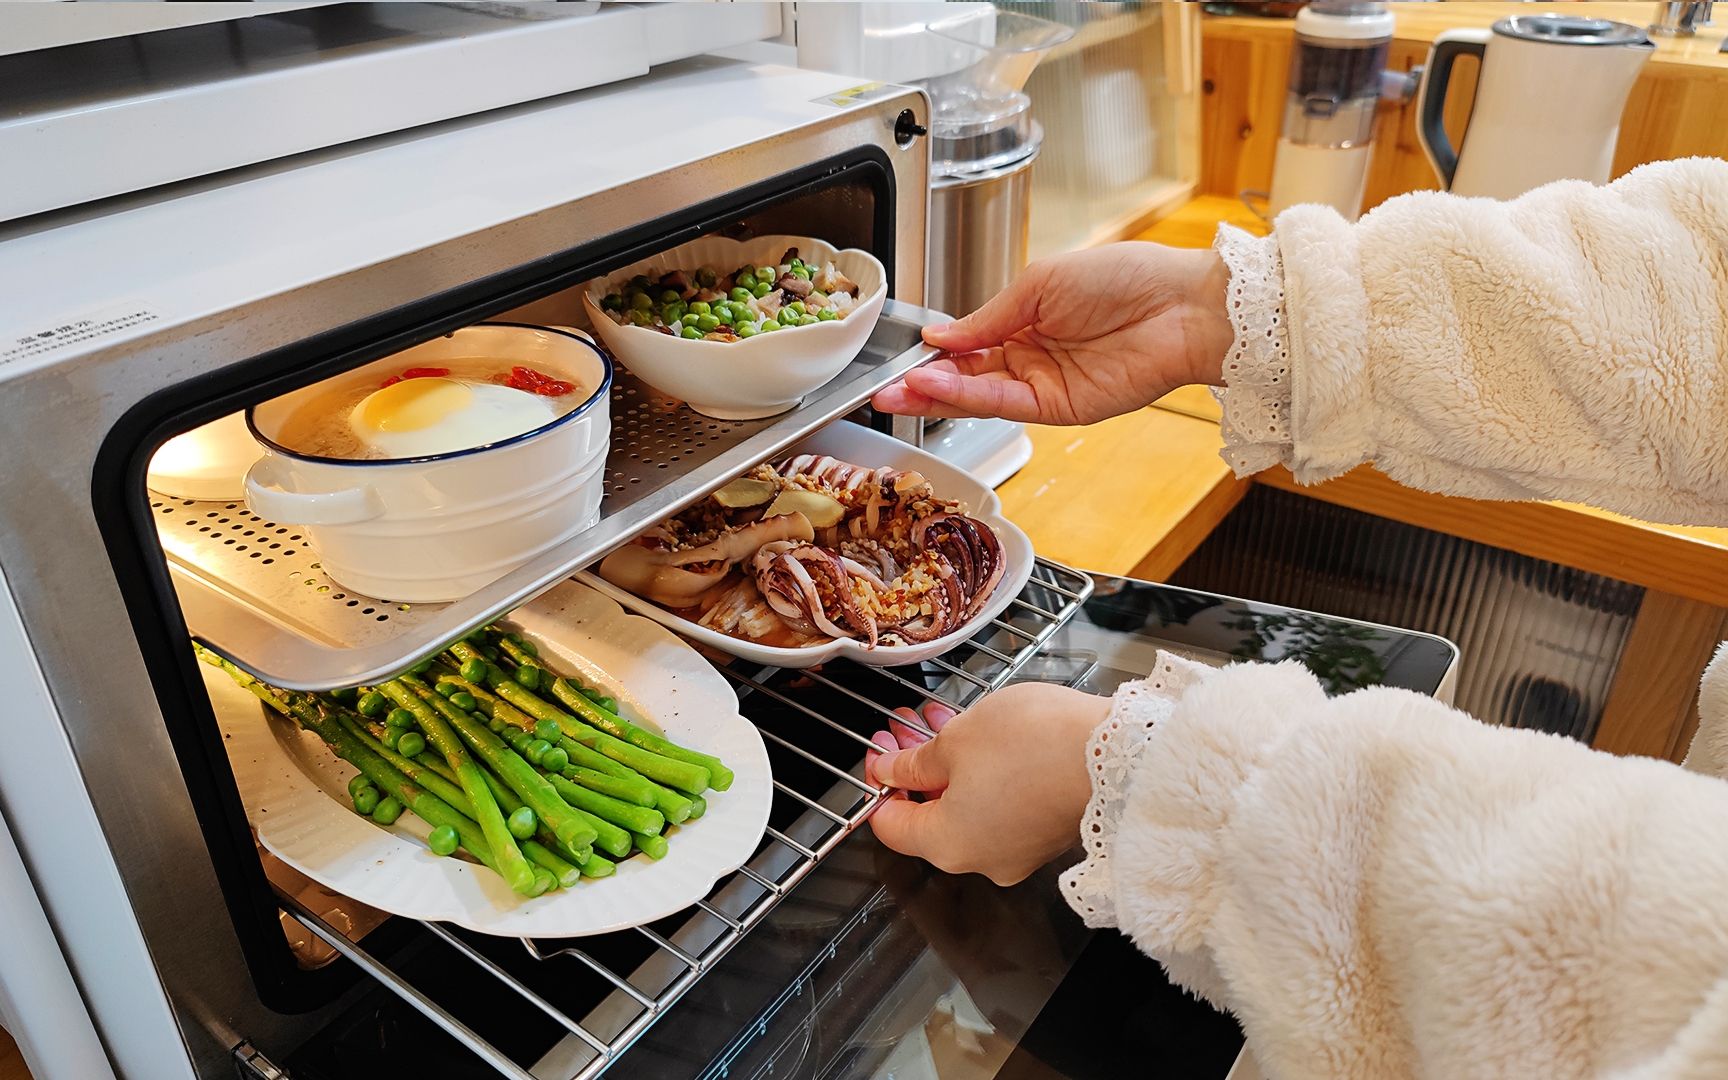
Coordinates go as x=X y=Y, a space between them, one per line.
x=828 y=795
x=253 y=591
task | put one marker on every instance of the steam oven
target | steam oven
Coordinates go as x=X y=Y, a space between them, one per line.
x=157 y=939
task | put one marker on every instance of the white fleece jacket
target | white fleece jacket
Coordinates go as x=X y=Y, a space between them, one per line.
x=1377 y=885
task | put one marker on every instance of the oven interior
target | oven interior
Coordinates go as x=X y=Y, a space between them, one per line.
x=848 y=201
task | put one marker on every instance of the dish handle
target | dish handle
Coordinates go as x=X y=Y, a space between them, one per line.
x=268 y=498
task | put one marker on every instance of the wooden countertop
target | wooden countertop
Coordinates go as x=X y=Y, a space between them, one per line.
x=1136 y=494
x=1422 y=23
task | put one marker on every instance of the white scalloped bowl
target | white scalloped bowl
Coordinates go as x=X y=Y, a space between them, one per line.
x=757 y=376
x=295 y=789
x=863 y=446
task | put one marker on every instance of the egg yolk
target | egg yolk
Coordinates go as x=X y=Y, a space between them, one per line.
x=412 y=404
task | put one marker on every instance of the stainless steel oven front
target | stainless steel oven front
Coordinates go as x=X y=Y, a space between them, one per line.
x=129 y=321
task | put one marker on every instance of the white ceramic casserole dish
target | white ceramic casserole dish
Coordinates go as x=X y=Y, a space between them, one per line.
x=757 y=376
x=862 y=446
x=436 y=528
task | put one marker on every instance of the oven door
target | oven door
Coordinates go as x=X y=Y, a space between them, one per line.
x=877 y=966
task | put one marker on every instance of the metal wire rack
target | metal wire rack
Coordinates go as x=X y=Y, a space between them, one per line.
x=597 y=995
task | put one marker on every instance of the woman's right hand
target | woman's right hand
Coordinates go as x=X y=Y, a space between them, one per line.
x=1078 y=338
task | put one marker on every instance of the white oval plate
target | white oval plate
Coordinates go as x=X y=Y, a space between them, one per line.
x=864 y=446
x=296 y=790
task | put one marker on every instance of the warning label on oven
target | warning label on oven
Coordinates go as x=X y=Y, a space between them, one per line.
x=857 y=95
x=66 y=333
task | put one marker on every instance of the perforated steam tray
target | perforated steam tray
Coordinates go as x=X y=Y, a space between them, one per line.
x=252 y=590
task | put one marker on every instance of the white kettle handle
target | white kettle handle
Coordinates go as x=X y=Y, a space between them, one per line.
x=268 y=498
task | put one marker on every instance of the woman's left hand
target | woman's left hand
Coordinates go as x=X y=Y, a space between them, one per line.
x=1006 y=781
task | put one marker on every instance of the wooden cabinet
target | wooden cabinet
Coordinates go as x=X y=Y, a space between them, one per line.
x=1679 y=107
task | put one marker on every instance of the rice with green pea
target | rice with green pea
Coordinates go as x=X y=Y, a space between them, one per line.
x=706 y=304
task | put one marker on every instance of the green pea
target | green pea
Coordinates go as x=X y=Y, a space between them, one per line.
x=372 y=703
x=724 y=316
x=522 y=823
x=366 y=800
x=535 y=749
x=801 y=271
x=807 y=320
x=796 y=307
x=474 y=669
x=672 y=312
x=766 y=325
x=612 y=302
x=641 y=318
x=671 y=296
x=554 y=759
x=445 y=689
x=762 y=289
x=411 y=744
x=690 y=333
x=747 y=272
x=548 y=730
x=706 y=323
x=706 y=277
x=700 y=307
x=423 y=666
x=391 y=737
x=400 y=718
x=788 y=317
x=827 y=314
x=609 y=704
x=387 y=811
x=490 y=652
x=359 y=784
x=463 y=700
x=641 y=301
x=443 y=840
x=640 y=283
x=744 y=330
x=765 y=276
x=740 y=294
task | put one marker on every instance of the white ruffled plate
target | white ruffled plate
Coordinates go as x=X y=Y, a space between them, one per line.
x=863 y=446
x=296 y=790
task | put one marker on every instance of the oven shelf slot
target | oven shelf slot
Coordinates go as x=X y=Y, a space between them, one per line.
x=826 y=799
x=252 y=590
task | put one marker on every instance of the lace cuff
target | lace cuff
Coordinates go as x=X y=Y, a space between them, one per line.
x=1256 y=398
x=1111 y=753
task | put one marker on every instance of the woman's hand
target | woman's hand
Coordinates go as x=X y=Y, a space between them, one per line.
x=1006 y=781
x=1078 y=338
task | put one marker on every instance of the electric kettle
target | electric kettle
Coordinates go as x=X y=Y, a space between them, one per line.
x=1548 y=102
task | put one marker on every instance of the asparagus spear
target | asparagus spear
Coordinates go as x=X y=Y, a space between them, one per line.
x=521 y=777
x=678 y=774
x=628 y=815
x=546 y=850
x=675 y=806
x=612 y=724
x=514 y=867
x=655 y=847
x=608 y=837
x=632 y=789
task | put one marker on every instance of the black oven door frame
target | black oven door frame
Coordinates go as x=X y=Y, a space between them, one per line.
x=120 y=499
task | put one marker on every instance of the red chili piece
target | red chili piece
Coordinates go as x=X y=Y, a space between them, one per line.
x=534 y=382
x=426 y=373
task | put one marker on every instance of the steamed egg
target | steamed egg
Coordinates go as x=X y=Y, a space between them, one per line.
x=418 y=417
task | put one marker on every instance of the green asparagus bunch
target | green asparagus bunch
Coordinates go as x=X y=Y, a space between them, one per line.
x=468 y=741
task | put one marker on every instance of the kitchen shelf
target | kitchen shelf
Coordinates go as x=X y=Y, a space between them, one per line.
x=817 y=725
x=253 y=591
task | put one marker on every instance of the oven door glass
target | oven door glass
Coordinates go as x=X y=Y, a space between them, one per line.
x=879 y=968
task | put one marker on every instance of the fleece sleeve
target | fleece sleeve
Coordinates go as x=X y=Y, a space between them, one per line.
x=1568 y=344
x=1379 y=886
